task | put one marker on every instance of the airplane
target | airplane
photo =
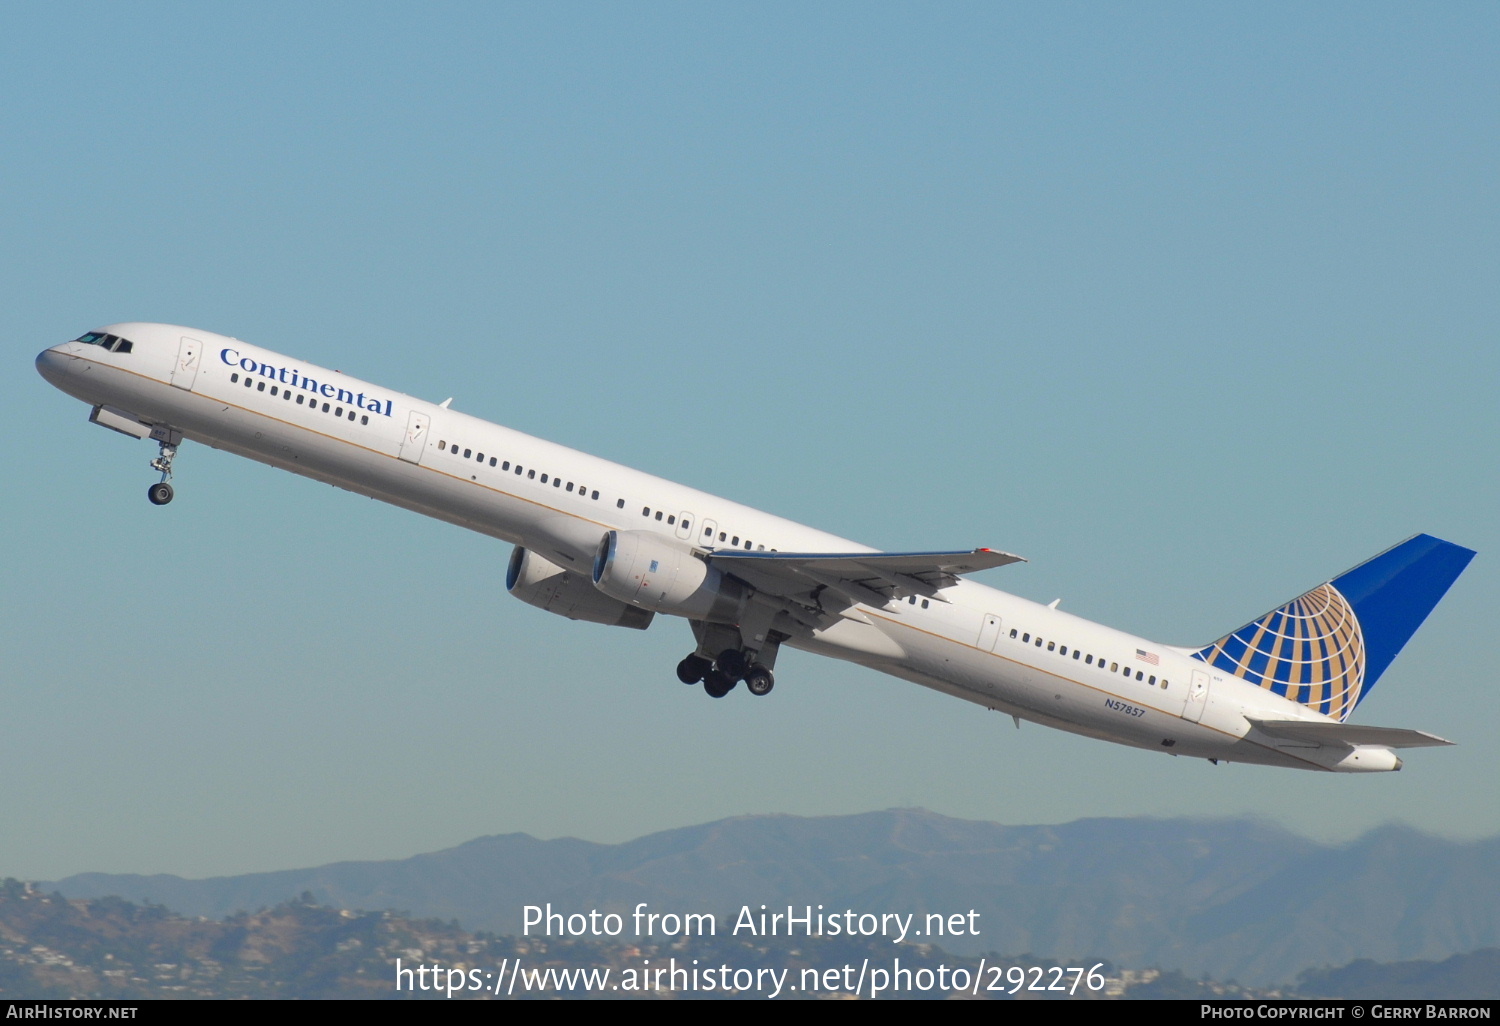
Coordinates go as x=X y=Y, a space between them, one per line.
x=603 y=543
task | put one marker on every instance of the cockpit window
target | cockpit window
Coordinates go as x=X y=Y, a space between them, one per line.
x=114 y=343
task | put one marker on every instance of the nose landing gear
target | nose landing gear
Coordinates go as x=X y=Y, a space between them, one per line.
x=161 y=493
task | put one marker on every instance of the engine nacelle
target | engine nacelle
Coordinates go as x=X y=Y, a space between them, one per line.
x=650 y=572
x=544 y=584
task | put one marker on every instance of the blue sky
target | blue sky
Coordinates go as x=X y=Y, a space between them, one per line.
x=1193 y=305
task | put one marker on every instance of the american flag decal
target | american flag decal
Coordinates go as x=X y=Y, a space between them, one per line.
x=1148 y=657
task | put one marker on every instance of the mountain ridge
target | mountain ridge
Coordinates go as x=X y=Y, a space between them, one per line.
x=1234 y=898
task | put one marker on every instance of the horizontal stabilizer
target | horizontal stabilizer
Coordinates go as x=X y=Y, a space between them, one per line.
x=1349 y=734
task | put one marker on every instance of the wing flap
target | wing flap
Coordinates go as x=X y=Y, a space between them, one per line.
x=871 y=578
x=874 y=563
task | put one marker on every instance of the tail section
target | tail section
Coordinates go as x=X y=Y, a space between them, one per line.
x=1327 y=648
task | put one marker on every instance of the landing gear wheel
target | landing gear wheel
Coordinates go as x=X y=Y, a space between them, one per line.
x=732 y=663
x=717 y=684
x=161 y=493
x=692 y=669
x=759 y=680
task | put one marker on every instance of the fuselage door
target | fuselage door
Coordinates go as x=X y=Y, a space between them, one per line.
x=705 y=536
x=185 y=370
x=416 y=437
x=1197 y=697
x=989 y=634
x=685 y=526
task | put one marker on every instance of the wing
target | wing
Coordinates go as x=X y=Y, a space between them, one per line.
x=822 y=583
x=1348 y=734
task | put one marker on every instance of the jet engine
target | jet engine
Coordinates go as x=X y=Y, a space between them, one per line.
x=544 y=584
x=650 y=572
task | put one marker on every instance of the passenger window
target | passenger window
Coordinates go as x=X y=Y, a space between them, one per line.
x=365 y=419
x=479 y=457
x=658 y=514
x=1138 y=674
x=299 y=398
x=248 y=381
x=493 y=461
x=1051 y=646
x=531 y=475
x=645 y=511
x=260 y=386
x=1164 y=683
x=924 y=603
x=557 y=482
x=671 y=520
x=619 y=503
x=518 y=470
x=234 y=379
x=735 y=540
x=1013 y=632
x=325 y=407
x=708 y=532
x=351 y=414
x=596 y=495
x=468 y=453
x=1038 y=642
x=273 y=390
x=1112 y=667
x=570 y=486
x=505 y=465
x=1152 y=680
x=747 y=545
x=721 y=536
x=1025 y=638
x=686 y=526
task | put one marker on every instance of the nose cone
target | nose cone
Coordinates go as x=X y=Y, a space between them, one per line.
x=55 y=365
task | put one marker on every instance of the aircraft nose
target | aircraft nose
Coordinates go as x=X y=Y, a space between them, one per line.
x=54 y=365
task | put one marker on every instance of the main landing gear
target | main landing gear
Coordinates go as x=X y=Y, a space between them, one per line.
x=720 y=676
x=161 y=493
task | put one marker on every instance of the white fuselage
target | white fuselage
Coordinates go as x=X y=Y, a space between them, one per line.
x=974 y=642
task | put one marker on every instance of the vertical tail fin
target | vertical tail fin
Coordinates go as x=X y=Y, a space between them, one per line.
x=1327 y=648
